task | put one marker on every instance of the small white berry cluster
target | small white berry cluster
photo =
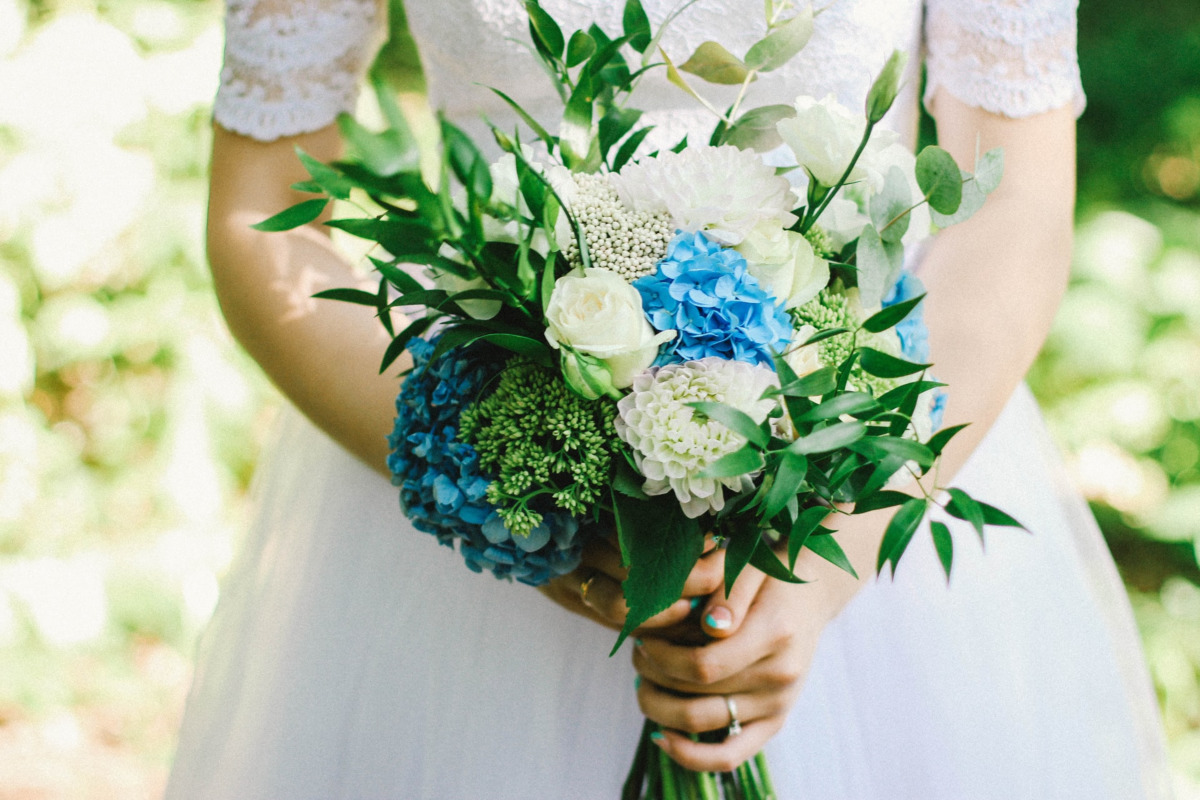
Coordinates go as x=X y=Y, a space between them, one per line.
x=630 y=243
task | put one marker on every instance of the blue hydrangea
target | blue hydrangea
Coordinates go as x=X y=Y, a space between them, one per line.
x=705 y=292
x=442 y=489
x=914 y=335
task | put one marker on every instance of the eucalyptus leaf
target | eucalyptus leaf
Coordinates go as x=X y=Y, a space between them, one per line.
x=833 y=437
x=674 y=77
x=899 y=533
x=890 y=208
x=579 y=48
x=973 y=199
x=662 y=545
x=755 y=130
x=715 y=64
x=782 y=42
x=636 y=25
x=737 y=421
x=875 y=274
x=989 y=169
x=940 y=179
x=300 y=214
x=944 y=544
x=827 y=548
x=883 y=365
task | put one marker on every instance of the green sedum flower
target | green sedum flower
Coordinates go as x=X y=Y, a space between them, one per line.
x=548 y=446
x=836 y=307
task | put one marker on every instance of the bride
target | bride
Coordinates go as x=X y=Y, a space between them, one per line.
x=352 y=658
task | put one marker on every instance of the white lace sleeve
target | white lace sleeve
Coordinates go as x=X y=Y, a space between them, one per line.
x=1011 y=57
x=291 y=66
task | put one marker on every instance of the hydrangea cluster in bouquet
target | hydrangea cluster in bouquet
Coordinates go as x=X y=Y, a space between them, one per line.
x=662 y=343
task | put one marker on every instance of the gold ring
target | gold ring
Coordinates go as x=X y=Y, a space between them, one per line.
x=586 y=586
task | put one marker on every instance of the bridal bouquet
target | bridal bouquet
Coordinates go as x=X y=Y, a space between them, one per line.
x=666 y=343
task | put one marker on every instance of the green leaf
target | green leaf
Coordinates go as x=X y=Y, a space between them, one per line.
x=356 y=296
x=636 y=25
x=890 y=208
x=739 y=462
x=853 y=403
x=755 y=130
x=805 y=524
x=994 y=516
x=880 y=447
x=835 y=436
x=523 y=345
x=892 y=315
x=629 y=147
x=396 y=276
x=899 y=533
x=827 y=548
x=878 y=500
x=972 y=200
x=787 y=479
x=538 y=130
x=579 y=48
x=715 y=64
x=627 y=481
x=383 y=154
x=674 y=77
x=882 y=365
x=782 y=43
x=989 y=169
x=743 y=538
x=937 y=443
x=816 y=383
x=300 y=214
x=467 y=162
x=334 y=183
x=896 y=397
x=944 y=545
x=416 y=328
x=875 y=274
x=663 y=545
x=544 y=29
x=615 y=123
x=828 y=333
x=764 y=559
x=940 y=179
x=963 y=506
x=737 y=421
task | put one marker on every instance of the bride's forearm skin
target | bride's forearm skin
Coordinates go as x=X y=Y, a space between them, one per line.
x=322 y=354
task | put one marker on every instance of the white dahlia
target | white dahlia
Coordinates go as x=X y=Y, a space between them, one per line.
x=672 y=443
x=723 y=191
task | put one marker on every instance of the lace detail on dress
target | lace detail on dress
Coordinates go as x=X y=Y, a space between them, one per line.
x=1010 y=57
x=291 y=66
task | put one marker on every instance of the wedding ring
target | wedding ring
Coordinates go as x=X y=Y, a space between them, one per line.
x=735 y=727
x=586 y=586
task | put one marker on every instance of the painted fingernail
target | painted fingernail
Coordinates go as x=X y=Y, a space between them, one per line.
x=637 y=642
x=657 y=737
x=637 y=681
x=694 y=602
x=719 y=618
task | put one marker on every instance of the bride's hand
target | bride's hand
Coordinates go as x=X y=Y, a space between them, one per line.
x=593 y=590
x=764 y=636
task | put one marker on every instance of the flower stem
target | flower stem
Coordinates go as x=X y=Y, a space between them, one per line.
x=811 y=217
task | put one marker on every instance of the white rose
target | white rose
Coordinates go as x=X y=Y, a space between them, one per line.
x=824 y=135
x=784 y=264
x=806 y=359
x=600 y=314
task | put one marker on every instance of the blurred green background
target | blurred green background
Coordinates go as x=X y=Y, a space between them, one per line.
x=130 y=424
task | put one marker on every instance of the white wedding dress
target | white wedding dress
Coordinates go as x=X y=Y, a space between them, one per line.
x=352 y=657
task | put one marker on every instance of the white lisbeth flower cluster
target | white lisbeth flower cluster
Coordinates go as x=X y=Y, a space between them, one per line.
x=672 y=442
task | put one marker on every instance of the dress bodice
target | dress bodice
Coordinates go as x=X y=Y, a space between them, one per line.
x=292 y=65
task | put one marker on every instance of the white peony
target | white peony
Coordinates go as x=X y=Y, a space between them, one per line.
x=824 y=135
x=723 y=191
x=599 y=314
x=784 y=264
x=670 y=441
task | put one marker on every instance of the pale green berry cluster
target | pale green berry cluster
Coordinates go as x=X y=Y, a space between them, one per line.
x=630 y=243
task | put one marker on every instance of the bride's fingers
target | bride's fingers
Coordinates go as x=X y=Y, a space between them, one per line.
x=723 y=616
x=700 y=713
x=707 y=576
x=725 y=756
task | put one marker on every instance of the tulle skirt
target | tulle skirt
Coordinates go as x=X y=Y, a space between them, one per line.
x=352 y=657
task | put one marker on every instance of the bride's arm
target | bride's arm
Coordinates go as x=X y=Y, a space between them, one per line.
x=994 y=285
x=323 y=355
